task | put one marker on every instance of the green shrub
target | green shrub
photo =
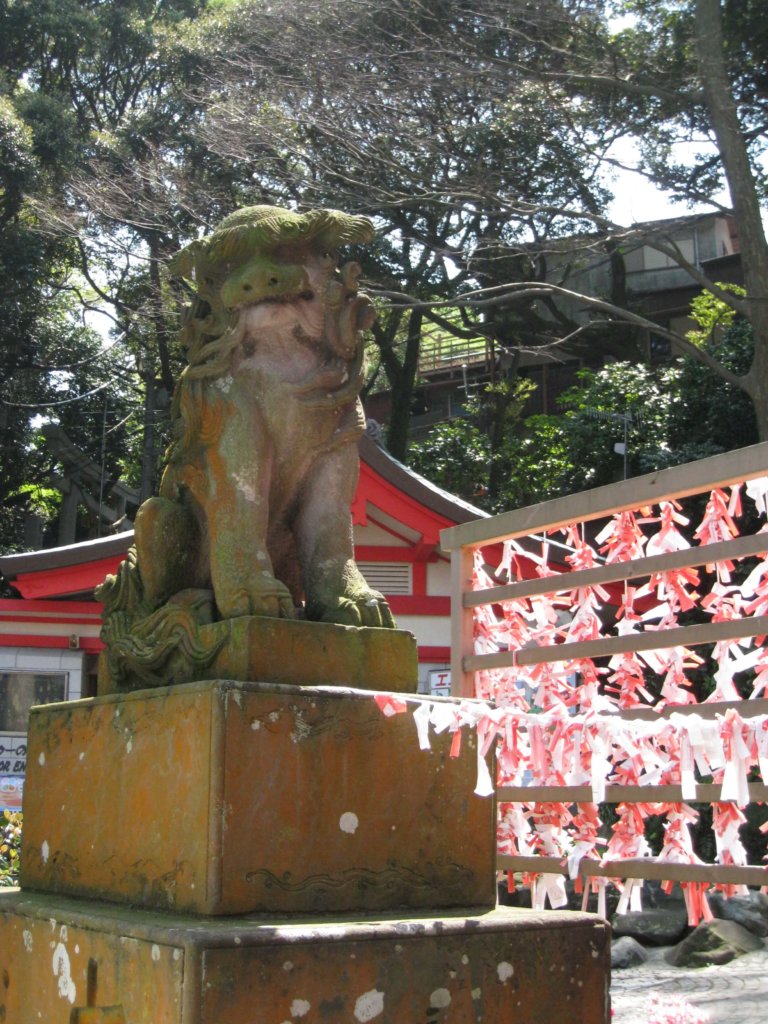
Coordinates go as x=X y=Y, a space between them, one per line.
x=10 y=847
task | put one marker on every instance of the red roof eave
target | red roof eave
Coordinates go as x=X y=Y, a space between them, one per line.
x=79 y=578
x=381 y=493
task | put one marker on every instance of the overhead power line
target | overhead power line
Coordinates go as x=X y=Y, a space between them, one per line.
x=48 y=405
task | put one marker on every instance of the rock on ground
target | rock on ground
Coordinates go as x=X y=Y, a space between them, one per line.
x=652 y=927
x=627 y=952
x=747 y=911
x=714 y=942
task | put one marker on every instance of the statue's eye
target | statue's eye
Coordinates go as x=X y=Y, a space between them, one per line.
x=328 y=257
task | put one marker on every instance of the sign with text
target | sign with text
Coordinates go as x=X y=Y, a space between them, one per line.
x=13 y=754
x=440 y=682
x=19 y=691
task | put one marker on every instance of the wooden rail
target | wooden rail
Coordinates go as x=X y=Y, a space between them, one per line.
x=706 y=793
x=565 y=582
x=654 y=640
x=641 y=867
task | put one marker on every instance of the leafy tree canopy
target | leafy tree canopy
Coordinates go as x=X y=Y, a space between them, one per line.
x=477 y=133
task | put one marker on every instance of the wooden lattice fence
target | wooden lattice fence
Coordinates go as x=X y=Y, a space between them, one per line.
x=587 y=674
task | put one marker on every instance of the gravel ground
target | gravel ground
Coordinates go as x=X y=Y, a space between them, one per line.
x=734 y=993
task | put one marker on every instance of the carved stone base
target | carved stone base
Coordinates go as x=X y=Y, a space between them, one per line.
x=99 y=963
x=224 y=798
x=289 y=651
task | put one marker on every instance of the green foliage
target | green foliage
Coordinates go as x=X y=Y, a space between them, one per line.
x=542 y=460
x=93 y=135
x=674 y=414
x=60 y=378
x=53 y=130
x=455 y=456
x=43 y=501
x=18 y=169
x=621 y=401
x=499 y=459
x=10 y=848
x=493 y=458
x=712 y=315
x=715 y=415
x=711 y=312
x=135 y=126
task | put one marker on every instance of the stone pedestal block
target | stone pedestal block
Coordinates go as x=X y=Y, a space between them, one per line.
x=227 y=798
x=289 y=651
x=62 y=961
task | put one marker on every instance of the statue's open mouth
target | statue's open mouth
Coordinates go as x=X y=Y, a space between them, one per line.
x=284 y=299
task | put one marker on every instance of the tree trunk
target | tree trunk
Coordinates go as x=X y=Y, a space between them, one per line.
x=148 y=454
x=741 y=183
x=402 y=390
x=497 y=430
x=160 y=326
x=757 y=379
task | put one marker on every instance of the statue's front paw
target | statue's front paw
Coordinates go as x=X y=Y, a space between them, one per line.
x=269 y=598
x=374 y=610
x=367 y=608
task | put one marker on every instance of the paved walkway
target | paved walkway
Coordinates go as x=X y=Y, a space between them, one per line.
x=735 y=993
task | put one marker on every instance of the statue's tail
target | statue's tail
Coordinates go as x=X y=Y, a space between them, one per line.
x=168 y=643
x=123 y=592
x=148 y=646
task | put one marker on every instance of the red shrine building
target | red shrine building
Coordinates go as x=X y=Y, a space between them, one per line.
x=49 y=635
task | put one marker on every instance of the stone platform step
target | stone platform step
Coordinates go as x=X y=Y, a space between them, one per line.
x=64 y=960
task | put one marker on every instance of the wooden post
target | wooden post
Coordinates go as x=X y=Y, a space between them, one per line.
x=462 y=632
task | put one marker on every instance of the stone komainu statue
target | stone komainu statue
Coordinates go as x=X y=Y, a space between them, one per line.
x=253 y=513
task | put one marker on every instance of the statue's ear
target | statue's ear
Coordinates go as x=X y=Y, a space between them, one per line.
x=183 y=263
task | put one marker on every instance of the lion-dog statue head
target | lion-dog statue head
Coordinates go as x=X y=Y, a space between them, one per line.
x=253 y=512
